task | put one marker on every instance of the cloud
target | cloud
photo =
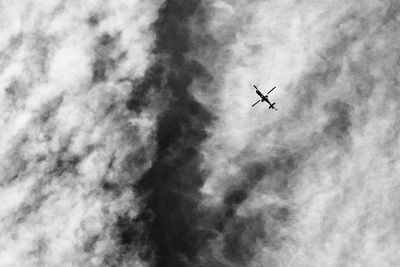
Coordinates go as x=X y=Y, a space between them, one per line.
x=128 y=136
x=335 y=107
x=66 y=170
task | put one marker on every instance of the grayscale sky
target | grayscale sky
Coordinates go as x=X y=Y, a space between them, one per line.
x=127 y=136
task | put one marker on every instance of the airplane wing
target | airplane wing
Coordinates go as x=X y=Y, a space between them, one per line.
x=255 y=103
x=271 y=90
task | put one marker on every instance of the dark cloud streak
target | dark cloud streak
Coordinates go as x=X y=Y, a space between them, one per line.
x=167 y=226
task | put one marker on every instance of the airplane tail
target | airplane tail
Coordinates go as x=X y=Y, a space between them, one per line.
x=273 y=106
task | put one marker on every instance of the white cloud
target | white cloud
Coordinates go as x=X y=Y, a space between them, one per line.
x=319 y=54
x=63 y=137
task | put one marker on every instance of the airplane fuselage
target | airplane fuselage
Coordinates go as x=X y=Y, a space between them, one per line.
x=264 y=98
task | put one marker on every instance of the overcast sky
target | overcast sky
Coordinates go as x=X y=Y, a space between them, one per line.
x=127 y=136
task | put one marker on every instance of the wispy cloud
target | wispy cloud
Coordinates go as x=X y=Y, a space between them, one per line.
x=128 y=138
x=66 y=171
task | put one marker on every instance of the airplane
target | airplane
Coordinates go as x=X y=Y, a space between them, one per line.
x=264 y=98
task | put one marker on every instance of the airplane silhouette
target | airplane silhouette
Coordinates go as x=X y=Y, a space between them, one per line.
x=264 y=98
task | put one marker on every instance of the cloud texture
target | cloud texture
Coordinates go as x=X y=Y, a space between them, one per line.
x=127 y=136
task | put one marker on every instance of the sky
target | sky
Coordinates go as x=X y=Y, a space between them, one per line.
x=128 y=137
